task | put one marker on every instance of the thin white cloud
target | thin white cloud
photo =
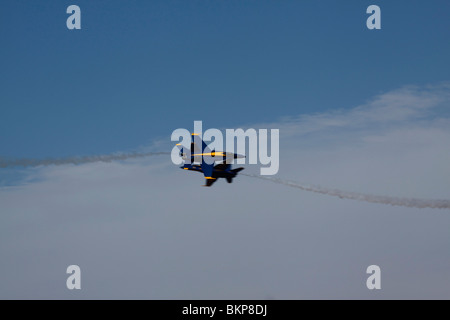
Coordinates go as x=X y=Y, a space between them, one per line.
x=392 y=108
x=143 y=228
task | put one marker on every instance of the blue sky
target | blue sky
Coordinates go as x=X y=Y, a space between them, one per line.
x=140 y=69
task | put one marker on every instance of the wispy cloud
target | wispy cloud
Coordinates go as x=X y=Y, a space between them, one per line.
x=396 y=107
x=142 y=228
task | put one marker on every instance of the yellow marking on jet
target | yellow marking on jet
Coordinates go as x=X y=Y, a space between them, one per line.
x=210 y=154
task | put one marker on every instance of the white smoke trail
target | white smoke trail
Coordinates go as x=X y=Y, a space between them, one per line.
x=75 y=160
x=394 y=201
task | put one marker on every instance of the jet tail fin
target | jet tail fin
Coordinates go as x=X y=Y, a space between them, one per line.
x=209 y=182
x=235 y=171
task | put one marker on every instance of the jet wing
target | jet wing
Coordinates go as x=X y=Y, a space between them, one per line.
x=222 y=167
x=207 y=169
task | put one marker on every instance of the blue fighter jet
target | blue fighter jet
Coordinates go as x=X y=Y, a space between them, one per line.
x=211 y=171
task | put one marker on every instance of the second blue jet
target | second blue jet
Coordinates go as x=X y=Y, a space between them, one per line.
x=211 y=171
